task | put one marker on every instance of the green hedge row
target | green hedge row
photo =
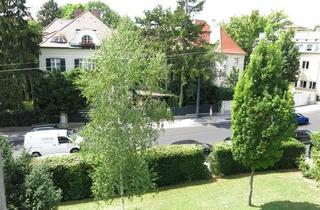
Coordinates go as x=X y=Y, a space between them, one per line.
x=222 y=162
x=16 y=118
x=171 y=164
x=175 y=164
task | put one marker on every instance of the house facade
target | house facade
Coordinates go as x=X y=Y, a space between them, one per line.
x=308 y=84
x=71 y=43
x=232 y=56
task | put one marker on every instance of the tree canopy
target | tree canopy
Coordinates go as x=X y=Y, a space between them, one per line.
x=123 y=124
x=48 y=12
x=245 y=29
x=262 y=113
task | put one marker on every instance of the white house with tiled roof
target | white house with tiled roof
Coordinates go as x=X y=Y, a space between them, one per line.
x=71 y=43
x=233 y=55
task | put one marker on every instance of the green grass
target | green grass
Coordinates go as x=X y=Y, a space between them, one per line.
x=284 y=190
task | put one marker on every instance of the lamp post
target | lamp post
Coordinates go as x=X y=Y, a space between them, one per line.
x=2 y=188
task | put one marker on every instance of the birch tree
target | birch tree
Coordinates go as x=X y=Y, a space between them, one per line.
x=123 y=124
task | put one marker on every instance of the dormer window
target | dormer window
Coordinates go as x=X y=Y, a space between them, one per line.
x=86 y=39
x=59 y=39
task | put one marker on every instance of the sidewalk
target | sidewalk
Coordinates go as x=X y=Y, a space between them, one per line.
x=193 y=122
x=308 y=108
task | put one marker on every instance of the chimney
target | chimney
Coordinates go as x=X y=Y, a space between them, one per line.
x=77 y=12
x=96 y=13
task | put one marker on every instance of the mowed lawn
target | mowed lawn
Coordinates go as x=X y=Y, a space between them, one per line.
x=283 y=190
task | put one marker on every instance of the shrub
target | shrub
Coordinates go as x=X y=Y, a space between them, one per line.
x=176 y=164
x=40 y=190
x=222 y=162
x=17 y=118
x=70 y=174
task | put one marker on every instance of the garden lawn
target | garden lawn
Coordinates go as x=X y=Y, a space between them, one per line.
x=283 y=190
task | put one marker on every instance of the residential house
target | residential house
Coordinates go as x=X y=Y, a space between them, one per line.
x=232 y=55
x=307 y=86
x=71 y=43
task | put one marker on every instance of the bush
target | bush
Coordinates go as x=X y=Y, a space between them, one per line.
x=222 y=162
x=70 y=174
x=176 y=164
x=40 y=190
x=17 y=118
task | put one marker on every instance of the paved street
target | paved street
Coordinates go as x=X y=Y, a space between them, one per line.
x=201 y=131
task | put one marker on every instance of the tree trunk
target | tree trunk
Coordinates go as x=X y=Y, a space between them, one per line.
x=250 y=187
x=181 y=87
x=121 y=191
x=2 y=188
x=198 y=97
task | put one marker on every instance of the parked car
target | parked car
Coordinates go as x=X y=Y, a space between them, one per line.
x=301 y=120
x=48 y=142
x=305 y=137
x=40 y=127
x=206 y=147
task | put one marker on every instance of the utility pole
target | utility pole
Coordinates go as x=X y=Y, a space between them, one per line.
x=3 y=205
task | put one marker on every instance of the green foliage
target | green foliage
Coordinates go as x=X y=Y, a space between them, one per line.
x=175 y=34
x=110 y=17
x=233 y=78
x=316 y=156
x=48 y=12
x=70 y=174
x=222 y=161
x=17 y=118
x=177 y=164
x=245 y=29
x=262 y=112
x=56 y=92
x=17 y=35
x=122 y=124
x=40 y=190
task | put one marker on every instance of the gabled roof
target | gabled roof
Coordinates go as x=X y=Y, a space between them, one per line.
x=69 y=27
x=228 y=45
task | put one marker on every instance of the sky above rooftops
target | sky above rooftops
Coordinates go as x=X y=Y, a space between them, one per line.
x=302 y=13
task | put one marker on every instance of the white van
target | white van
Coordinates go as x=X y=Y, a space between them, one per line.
x=47 y=142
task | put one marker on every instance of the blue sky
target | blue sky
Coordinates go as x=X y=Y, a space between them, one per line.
x=305 y=13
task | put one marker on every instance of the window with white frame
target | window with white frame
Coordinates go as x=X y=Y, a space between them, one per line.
x=314 y=84
x=85 y=63
x=86 y=39
x=236 y=61
x=309 y=47
x=305 y=65
x=55 y=63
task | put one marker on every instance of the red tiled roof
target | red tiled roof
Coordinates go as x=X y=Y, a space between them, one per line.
x=205 y=30
x=229 y=46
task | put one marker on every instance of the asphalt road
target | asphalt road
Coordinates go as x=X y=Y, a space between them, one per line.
x=207 y=133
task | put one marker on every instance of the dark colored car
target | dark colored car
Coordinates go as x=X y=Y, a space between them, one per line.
x=303 y=135
x=301 y=120
x=206 y=147
x=41 y=127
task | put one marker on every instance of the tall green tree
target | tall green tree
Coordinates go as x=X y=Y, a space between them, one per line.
x=108 y=16
x=262 y=113
x=123 y=124
x=48 y=12
x=245 y=29
x=16 y=35
x=175 y=34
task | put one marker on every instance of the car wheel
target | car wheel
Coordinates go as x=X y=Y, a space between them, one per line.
x=74 y=150
x=36 y=154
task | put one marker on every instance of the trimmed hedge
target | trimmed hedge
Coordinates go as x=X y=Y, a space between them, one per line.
x=16 y=118
x=222 y=162
x=172 y=164
x=70 y=174
x=176 y=164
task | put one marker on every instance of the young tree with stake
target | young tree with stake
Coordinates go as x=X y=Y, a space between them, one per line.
x=123 y=124
x=262 y=113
